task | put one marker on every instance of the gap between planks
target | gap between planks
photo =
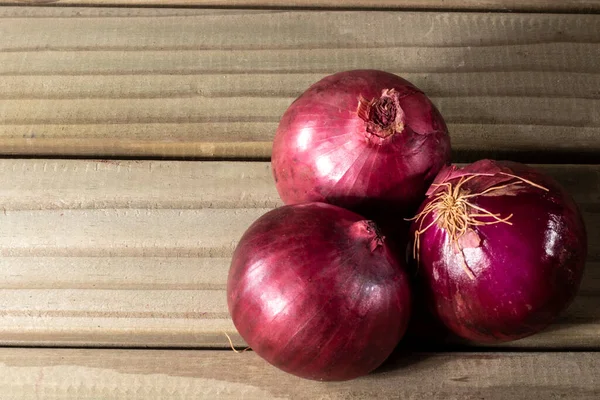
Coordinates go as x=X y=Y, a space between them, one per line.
x=573 y=6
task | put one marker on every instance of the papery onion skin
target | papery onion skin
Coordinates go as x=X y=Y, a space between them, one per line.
x=314 y=291
x=524 y=274
x=325 y=150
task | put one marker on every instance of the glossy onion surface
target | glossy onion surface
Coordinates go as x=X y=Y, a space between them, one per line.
x=314 y=291
x=511 y=256
x=365 y=140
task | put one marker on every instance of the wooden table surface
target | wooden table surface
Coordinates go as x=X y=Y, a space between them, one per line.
x=134 y=148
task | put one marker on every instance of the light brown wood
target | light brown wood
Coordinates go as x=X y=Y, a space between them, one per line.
x=214 y=83
x=144 y=374
x=501 y=5
x=136 y=253
x=84 y=184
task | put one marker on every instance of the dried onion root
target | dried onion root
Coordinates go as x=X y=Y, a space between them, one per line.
x=457 y=215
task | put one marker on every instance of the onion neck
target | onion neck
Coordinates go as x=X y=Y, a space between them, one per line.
x=368 y=231
x=383 y=116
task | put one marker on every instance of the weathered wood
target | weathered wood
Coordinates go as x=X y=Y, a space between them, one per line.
x=173 y=374
x=498 y=5
x=136 y=253
x=81 y=184
x=214 y=83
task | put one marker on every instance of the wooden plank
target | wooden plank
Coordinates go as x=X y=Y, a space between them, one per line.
x=136 y=253
x=176 y=374
x=497 y=5
x=214 y=83
x=83 y=184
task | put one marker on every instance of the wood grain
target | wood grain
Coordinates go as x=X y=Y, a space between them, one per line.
x=143 y=374
x=499 y=5
x=214 y=83
x=136 y=253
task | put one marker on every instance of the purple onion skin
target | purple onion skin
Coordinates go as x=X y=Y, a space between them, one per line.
x=314 y=291
x=323 y=151
x=525 y=274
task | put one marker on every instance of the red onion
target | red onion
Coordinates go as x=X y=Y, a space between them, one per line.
x=365 y=140
x=314 y=291
x=501 y=249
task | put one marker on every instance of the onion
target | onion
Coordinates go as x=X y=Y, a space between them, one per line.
x=365 y=140
x=500 y=248
x=314 y=291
